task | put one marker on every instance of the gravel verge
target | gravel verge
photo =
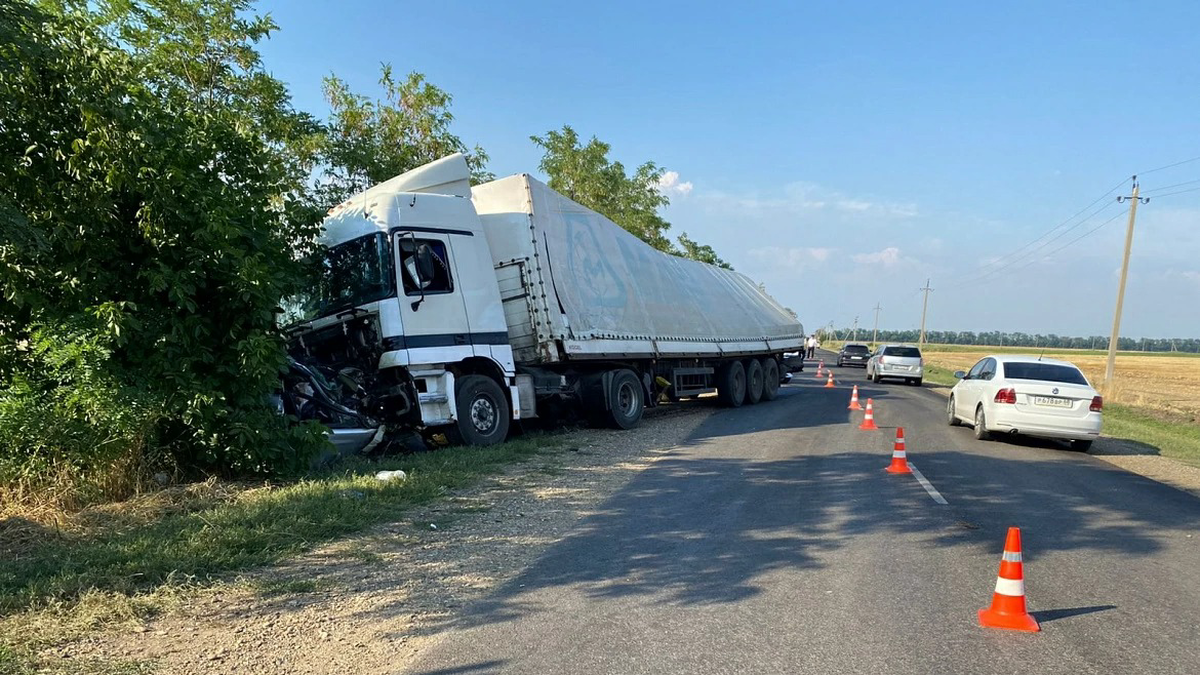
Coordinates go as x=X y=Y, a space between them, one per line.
x=371 y=603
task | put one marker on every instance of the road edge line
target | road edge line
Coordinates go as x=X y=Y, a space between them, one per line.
x=937 y=496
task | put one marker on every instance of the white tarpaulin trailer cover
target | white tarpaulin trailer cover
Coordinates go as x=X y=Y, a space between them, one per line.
x=593 y=283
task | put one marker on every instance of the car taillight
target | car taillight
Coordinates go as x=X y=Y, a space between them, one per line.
x=881 y=359
x=1006 y=396
x=1097 y=404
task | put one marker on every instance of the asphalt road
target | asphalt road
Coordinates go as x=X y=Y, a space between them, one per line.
x=773 y=542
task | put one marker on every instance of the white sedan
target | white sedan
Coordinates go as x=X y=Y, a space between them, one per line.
x=1027 y=395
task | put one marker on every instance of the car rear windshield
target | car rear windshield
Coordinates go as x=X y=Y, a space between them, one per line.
x=903 y=351
x=1048 y=372
x=856 y=349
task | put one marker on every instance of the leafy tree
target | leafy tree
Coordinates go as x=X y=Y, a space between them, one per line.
x=367 y=142
x=702 y=252
x=149 y=200
x=584 y=173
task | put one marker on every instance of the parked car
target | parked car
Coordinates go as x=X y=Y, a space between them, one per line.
x=854 y=354
x=1027 y=395
x=899 y=361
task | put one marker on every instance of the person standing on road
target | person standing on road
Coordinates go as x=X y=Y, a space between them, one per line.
x=812 y=346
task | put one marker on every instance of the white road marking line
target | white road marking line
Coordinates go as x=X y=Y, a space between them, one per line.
x=937 y=496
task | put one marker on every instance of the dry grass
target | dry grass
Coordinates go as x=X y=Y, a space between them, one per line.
x=1162 y=384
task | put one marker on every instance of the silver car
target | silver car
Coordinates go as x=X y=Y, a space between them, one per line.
x=899 y=361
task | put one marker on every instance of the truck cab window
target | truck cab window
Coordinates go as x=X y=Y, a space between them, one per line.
x=439 y=282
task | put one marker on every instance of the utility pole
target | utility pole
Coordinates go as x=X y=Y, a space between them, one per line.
x=924 y=307
x=1116 y=329
x=855 y=338
x=875 y=334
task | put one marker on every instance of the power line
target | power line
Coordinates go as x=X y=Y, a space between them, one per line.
x=1177 y=193
x=970 y=281
x=1074 y=241
x=1051 y=230
x=1170 y=166
x=1168 y=187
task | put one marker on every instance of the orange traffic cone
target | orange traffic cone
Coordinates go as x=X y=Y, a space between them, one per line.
x=899 y=456
x=869 y=421
x=829 y=382
x=1008 y=601
x=820 y=367
x=854 y=400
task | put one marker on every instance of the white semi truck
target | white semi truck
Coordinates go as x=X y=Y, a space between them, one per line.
x=443 y=308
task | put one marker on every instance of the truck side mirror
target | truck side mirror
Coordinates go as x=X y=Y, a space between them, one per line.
x=425 y=264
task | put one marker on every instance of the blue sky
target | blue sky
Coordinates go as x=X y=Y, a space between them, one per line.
x=841 y=153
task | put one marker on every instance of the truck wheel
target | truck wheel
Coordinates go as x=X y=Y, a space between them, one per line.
x=754 y=381
x=625 y=403
x=770 y=379
x=482 y=412
x=731 y=384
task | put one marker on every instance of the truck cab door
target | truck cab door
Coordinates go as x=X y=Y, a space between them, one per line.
x=436 y=327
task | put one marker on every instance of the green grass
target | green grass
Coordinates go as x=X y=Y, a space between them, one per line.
x=939 y=375
x=1177 y=439
x=127 y=566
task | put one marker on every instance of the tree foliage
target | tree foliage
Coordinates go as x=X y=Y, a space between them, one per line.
x=1033 y=340
x=369 y=141
x=584 y=173
x=144 y=202
x=702 y=252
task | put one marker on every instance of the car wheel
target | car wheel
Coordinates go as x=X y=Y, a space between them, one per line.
x=981 y=432
x=1081 y=445
x=917 y=381
x=951 y=417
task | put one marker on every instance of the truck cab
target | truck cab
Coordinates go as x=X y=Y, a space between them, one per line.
x=404 y=322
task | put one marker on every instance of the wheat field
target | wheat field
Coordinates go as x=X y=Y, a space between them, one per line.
x=1166 y=383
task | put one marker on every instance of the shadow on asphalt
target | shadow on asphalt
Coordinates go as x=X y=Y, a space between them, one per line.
x=481 y=667
x=1055 y=614
x=696 y=529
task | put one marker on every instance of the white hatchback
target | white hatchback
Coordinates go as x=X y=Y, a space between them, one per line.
x=1027 y=395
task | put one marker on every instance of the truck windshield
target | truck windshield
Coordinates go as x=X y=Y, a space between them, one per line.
x=350 y=274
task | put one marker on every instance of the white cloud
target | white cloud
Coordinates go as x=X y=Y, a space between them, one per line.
x=670 y=184
x=888 y=257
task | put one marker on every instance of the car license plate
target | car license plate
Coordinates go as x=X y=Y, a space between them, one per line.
x=856 y=358
x=1052 y=401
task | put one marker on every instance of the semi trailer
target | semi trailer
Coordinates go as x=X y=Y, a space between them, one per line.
x=444 y=308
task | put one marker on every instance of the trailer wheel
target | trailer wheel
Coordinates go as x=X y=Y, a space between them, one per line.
x=754 y=381
x=625 y=401
x=482 y=412
x=731 y=384
x=770 y=369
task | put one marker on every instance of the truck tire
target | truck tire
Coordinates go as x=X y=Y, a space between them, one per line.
x=731 y=384
x=754 y=381
x=770 y=379
x=481 y=410
x=625 y=401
